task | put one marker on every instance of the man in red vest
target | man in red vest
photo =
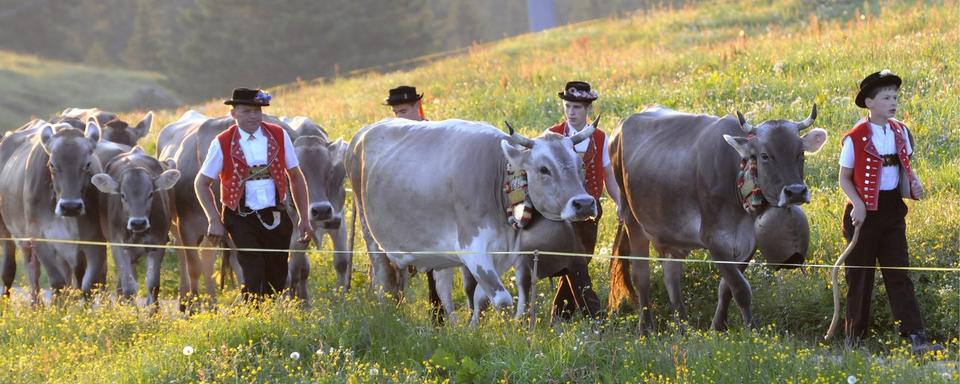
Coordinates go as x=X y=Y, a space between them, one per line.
x=252 y=160
x=577 y=105
x=875 y=174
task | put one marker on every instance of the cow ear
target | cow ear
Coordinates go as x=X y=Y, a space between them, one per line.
x=740 y=144
x=46 y=133
x=337 y=149
x=137 y=150
x=105 y=183
x=166 y=180
x=814 y=140
x=513 y=154
x=143 y=127
x=93 y=130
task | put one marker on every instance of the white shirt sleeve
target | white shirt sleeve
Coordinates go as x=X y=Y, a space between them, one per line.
x=289 y=154
x=846 y=154
x=605 y=157
x=213 y=163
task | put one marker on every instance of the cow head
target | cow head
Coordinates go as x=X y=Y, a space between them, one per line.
x=779 y=151
x=71 y=163
x=324 y=171
x=554 y=173
x=118 y=131
x=136 y=187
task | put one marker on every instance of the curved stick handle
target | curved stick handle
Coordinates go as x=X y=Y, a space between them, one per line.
x=836 y=286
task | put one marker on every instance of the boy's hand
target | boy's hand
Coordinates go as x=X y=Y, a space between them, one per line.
x=917 y=188
x=858 y=214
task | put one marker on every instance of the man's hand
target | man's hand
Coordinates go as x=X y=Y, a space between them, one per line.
x=858 y=214
x=216 y=231
x=306 y=231
x=917 y=188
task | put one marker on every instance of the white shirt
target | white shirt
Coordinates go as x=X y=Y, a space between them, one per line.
x=259 y=194
x=582 y=146
x=885 y=141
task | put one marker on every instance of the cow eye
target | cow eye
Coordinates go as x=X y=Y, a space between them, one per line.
x=544 y=171
x=87 y=166
x=763 y=155
x=123 y=196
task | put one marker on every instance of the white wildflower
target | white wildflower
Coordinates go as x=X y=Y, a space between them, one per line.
x=295 y=355
x=188 y=350
x=374 y=371
x=852 y=379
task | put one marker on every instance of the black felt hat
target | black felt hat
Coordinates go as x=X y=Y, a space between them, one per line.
x=876 y=80
x=402 y=95
x=578 y=91
x=247 y=96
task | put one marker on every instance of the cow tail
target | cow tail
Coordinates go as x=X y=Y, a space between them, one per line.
x=621 y=287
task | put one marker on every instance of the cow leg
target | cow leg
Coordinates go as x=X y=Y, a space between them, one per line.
x=296 y=275
x=444 y=291
x=208 y=262
x=51 y=263
x=741 y=292
x=482 y=269
x=723 y=303
x=469 y=289
x=128 y=282
x=342 y=257
x=33 y=272
x=640 y=274
x=480 y=300
x=95 y=274
x=582 y=288
x=8 y=265
x=154 y=261
x=523 y=272
x=673 y=279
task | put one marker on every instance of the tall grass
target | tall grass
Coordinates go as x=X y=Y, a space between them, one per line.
x=768 y=59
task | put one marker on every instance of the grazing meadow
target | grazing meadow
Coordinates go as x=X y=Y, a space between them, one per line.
x=769 y=59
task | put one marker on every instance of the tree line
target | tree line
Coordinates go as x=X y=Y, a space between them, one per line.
x=205 y=47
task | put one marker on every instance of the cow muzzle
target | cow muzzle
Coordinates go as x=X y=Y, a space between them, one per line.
x=321 y=211
x=332 y=223
x=794 y=194
x=580 y=208
x=70 y=207
x=138 y=224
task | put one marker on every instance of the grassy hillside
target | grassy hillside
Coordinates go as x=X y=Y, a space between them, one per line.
x=33 y=87
x=768 y=59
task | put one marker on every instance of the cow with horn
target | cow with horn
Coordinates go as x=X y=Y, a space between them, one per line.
x=719 y=183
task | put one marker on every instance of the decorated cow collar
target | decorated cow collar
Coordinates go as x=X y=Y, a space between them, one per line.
x=520 y=210
x=748 y=186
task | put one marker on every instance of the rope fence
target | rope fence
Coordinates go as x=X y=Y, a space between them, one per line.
x=528 y=253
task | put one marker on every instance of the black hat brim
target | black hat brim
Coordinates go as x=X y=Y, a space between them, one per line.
x=246 y=102
x=881 y=81
x=402 y=101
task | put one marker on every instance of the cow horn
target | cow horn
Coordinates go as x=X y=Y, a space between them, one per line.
x=806 y=123
x=743 y=123
x=517 y=138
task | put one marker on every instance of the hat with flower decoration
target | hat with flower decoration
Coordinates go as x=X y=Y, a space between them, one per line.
x=578 y=91
x=247 y=96
x=876 y=80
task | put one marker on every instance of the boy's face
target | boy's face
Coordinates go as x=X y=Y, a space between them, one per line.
x=248 y=117
x=576 y=112
x=407 y=110
x=884 y=104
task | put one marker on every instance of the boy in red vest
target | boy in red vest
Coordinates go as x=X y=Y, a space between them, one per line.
x=252 y=160
x=875 y=175
x=577 y=104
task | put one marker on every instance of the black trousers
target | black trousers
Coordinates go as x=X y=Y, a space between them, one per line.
x=263 y=272
x=575 y=291
x=882 y=241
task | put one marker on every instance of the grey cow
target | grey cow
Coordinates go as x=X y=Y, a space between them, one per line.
x=113 y=129
x=678 y=175
x=137 y=206
x=46 y=194
x=323 y=169
x=436 y=186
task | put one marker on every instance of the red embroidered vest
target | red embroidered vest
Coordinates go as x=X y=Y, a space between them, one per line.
x=235 y=168
x=868 y=163
x=592 y=160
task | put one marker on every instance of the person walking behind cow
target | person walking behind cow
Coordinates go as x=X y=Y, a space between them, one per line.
x=252 y=160
x=875 y=174
x=577 y=104
x=406 y=103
